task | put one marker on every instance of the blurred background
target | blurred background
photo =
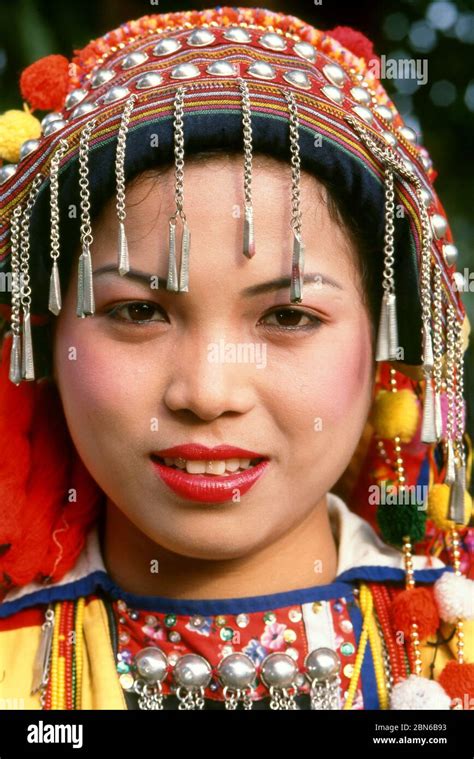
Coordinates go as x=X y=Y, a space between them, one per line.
x=440 y=31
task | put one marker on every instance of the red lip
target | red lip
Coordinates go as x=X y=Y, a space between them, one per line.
x=197 y=452
x=209 y=488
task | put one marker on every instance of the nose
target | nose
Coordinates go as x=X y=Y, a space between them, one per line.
x=205 y=381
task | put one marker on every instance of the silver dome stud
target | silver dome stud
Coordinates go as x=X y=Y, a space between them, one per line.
x=278 y=670
x=237 y=671
x=28 y=147
x=390 y=138
x=364 y=113
x=384 y=112
x=426 y=196
x=54 y=126
x=262 y=70
x=82 y=109
x=426 y=161
x=298 y=79
x=200 y=37
x=75 y=97
x=273 y=41
x=450 y=253
x=102 y=76
x=222 y=68
x=305 y=50
x=237 y=34
x=409 y=134
x=334 y=74
x=439 y=225
x=152 y=664
x=321 y=664
x=166 y=46
x=7 y=171
x=192 y=671
x=115 y=93
x=460 y=283
x=49 y=118
x=333 y=93
x=148 y=80
x=184 y=71
x=361 y=95
x=134 y=59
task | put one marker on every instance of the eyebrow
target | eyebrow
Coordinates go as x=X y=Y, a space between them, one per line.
x=264 y=287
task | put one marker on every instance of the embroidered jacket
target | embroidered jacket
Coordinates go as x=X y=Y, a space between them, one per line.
x=116 y=624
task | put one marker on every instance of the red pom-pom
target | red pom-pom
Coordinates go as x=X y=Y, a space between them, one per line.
x=354 y=41
x=458 y=681
x=415 y=605
x=44 y=84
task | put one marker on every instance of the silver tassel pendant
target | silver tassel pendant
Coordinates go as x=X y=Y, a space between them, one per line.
x=450 y=464
x=15 y=361
x=387 y=336
x=428 y=429
x=41 y=662
x=85 y=294
x=27 y=364
x=456 y=497
x=123 y=259
x=54 y=303
x=297 y=268
x=249 y=238
x=428 y=360
x=184 y=264
x=172 y=283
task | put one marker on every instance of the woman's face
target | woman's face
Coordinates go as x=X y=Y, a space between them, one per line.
x=231 y=362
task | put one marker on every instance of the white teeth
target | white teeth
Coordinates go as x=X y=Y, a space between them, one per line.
x=217 y=467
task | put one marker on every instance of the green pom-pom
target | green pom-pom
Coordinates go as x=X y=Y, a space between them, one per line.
x=398 y=520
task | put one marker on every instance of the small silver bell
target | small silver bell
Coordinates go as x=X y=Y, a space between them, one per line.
x=192 y=671
x=237 y=671
x=151 y=664
x=321 y=664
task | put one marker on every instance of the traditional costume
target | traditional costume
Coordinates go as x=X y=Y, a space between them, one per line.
x=395 y=629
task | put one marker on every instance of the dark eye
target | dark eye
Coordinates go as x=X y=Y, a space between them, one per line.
x=137 y=312
x=291 y=319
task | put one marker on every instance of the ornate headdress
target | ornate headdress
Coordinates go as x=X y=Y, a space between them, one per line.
x=253 y=80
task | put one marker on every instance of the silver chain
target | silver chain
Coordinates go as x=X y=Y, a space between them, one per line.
x=120 y=156
x=15 y=269
x=179 y=150
x=451 y=359
x=86 y=229
x=54 y=189
x=247 y=129
x=437 y=329
x=388 y=282
x=295 y=163
x=25 y=243
x=459 y=392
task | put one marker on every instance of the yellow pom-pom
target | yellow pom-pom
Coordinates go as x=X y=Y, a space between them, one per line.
x=396 y=414
x=438 y=506
x=15 y=128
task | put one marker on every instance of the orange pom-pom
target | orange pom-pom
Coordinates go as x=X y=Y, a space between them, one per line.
x=44 y=84
x=354 y=41
x=415 y=605
x=458 y=681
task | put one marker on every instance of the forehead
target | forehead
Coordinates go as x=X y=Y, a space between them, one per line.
x=214 y=205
